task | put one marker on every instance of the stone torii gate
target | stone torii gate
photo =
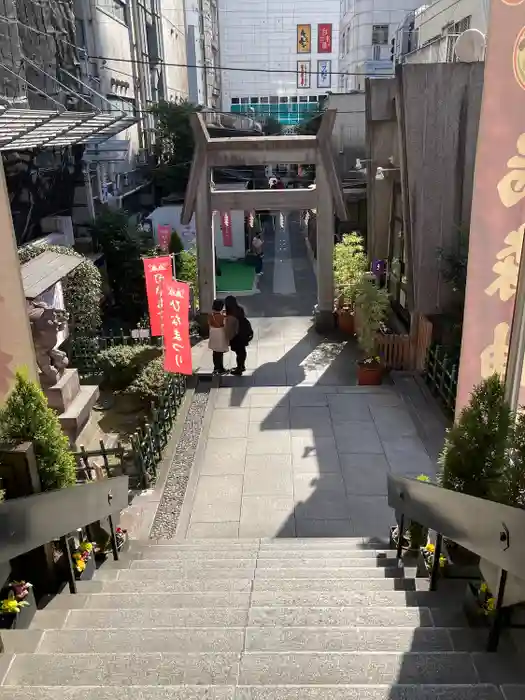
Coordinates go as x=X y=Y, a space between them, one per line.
x=325 y=196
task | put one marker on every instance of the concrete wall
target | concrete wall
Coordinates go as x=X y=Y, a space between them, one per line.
x=174 y=45
x=381 y=133
x=442 y=107
x=263 y=35
x=349 y=134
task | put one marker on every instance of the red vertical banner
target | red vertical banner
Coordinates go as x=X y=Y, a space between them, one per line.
x=163 y=236
x=176 y=327
x=156 y=271
x=324 y=38
x=226 y=228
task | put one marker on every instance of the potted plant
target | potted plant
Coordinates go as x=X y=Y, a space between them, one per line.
x=83 y=561
x=350 y=264
x=473 y=460
x=17 y=605
x=371 y=306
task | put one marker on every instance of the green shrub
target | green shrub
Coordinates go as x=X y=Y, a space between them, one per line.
x=350 y=264
x=475 y=454
x=186 y=268
x=371 y=305
x=150 y=381
x=175 y=246
x=26 y=417
x=121 y=364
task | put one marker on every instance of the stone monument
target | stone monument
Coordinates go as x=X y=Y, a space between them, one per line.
x=46 y=325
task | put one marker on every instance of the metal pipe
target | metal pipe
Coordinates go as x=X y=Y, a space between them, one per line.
x=435 y=564
x=497 y=624
x=69 y=559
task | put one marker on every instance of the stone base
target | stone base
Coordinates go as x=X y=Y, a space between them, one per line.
x=62 y=394
x=74 y=419
x=324 y=321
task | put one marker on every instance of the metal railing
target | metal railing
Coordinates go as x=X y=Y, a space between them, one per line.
x=491 y=530
x=34 y=521
x=441 y=375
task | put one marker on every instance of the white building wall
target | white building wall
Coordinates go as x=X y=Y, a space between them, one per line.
x=432 y=26
x=257 y=35
x=358 y=55
x=174 y=44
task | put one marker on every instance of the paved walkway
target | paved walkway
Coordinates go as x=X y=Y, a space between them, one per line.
x=294 y=447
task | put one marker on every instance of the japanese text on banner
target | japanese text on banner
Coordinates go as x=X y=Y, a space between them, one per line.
x=156 y=270
x=176 y=327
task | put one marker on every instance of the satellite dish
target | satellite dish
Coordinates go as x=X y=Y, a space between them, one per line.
x=470 y=46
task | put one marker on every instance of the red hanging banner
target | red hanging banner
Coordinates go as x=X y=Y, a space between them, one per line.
x=163 y=236
x=156 y=271
x=176 y=327
x=226 y=228
x=324 y=38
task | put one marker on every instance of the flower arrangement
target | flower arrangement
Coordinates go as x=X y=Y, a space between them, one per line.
x=81 y=555
x=429 y=552
x=487 y=602
x=120 y=536
x=16 y=597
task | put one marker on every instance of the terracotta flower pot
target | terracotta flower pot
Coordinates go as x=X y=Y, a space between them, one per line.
x=369 y=373
x=345 y=321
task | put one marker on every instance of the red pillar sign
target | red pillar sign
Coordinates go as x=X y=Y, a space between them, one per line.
x=498 y=206
x=156 y=271
x=324 y=38
x=163 y=236
x=176 y=327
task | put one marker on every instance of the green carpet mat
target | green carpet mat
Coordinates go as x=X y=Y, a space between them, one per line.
x=236 y=276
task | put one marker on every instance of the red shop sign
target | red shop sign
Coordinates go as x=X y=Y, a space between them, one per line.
x=176 y=327
x=156 y=271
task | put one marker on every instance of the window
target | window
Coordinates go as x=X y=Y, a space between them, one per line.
x=235 y=100
x=274 y=100
x=376 y=52
x=312 y=98
x=453 y=31
x=264 y=100
x=117 y=8
x=244 y=100
x=254 y=100
x=283 y=100
x=126 y=105
x=303 y=98
x=380 y=34
x=293 y=99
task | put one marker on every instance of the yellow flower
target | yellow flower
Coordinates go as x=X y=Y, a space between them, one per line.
x=430 y=547
x=86 y=547
x=80 y=565
x=442 y=560
x=490 y=604
x=10 y=605
x=483 y=588
x=423 y=477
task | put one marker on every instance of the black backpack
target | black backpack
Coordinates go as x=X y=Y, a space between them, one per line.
x=245 y=333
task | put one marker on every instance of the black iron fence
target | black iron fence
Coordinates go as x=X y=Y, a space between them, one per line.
x=441 y=375
x=84 y=350
x=489 y=529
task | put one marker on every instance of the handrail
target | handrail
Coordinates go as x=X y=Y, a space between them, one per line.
x=33 y=521
x=491 y=530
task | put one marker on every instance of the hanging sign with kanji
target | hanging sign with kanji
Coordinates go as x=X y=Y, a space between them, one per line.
x=156 y=271
x=163 y=236
x=226 y=228
x=176 y=327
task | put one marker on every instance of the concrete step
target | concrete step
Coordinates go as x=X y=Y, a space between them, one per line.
x=205 y=585
x=193 y=572
x=117 y=669
x=206 y=692
x=170 y=570
x=155 y=617
x=122 y=601
x=160 y=552
x=299 y=598
x=144 y=561
x=358 y=668
x=258 y=639
x=355 y=616
x=327 y=562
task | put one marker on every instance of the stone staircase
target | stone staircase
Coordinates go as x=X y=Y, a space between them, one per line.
x=283 y=619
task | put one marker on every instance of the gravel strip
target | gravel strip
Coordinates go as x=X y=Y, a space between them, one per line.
x=165 y=523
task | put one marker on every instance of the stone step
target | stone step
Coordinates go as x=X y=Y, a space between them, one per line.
x=258 y=639
x=117 y=669
x=160 y=552
x=328 y=562
x=122 y=601
x=349 y=616
x=206 y=585
x=303 y=692
x=298 y=598
x=196 y=571
x=359 y=668
x=144 y=561
x=154 y=617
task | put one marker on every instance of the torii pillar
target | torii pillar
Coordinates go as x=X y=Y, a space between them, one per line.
x=326 y=197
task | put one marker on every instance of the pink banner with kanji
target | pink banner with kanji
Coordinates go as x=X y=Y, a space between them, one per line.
x=163 y=236
x=176 y=327
x=226 y=228
x=324 y=38
x=156 y=271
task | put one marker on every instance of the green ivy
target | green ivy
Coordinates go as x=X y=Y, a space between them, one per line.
x=26 y=417
x=82 y=287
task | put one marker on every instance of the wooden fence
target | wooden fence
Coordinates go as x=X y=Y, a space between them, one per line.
x=407 y=351
x=441 y=375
